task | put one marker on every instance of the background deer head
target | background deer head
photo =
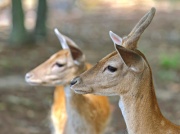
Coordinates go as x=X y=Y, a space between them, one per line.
x=61 y=67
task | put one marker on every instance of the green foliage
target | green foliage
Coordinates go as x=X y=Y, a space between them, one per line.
x=170 y=61
x=169 y=65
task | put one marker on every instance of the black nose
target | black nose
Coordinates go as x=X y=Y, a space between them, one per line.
x=75 y=80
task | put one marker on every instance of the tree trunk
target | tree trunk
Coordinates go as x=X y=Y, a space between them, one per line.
x=18 y=34
x=40 y=28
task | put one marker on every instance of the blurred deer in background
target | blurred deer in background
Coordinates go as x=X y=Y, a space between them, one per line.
x=70 y=113
x=126 y=72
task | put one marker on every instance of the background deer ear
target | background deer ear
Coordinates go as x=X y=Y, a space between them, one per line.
x=66 y=43
x=62 y=39
x=131 y=59
x=77 y=55
x=115 y=38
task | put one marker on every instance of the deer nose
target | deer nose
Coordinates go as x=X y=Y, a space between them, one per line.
x=75 y=80
x=28 y=76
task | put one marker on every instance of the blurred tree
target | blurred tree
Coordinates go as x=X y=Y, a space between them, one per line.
x=19 y=35
x=40 y=28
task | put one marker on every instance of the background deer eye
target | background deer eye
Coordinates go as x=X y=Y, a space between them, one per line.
x=59 y=64
x=111 y=69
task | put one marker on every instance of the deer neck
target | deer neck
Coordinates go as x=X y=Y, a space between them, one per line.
x=77 y=118
x=140 y=109
x=70 y=93
x=73 y=100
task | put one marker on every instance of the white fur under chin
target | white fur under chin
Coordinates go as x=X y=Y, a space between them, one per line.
x=68 y=91
x=121 y=106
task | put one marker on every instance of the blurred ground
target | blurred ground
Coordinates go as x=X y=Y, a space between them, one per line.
x=25 y=109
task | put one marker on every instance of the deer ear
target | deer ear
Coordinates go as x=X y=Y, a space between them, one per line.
x=62 y=39
x=77 y=55
x=115 y=38
x=131 y=59
x=66 y=43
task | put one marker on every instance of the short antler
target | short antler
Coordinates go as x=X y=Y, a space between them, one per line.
x=131 y=40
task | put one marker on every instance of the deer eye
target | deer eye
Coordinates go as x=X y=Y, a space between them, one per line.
x=111 y=69
x=59 y=64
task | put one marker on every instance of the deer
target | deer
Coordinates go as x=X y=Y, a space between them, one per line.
x=126 y=72
x=70 y=113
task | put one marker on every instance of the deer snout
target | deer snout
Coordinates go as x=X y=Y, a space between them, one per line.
x=75 y=81
x=28 y=76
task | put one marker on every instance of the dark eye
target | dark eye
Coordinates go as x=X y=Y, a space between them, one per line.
x=111 y=69
x=59 y=64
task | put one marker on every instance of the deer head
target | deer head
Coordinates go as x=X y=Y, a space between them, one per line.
x=61 y=67
x=122 y=69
